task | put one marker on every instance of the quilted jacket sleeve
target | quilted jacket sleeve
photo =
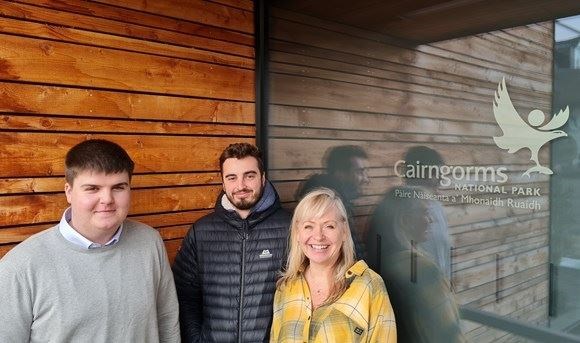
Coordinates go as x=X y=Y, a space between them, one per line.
x=188 y=285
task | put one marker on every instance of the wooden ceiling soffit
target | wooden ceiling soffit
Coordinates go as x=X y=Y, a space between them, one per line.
x=424 y=21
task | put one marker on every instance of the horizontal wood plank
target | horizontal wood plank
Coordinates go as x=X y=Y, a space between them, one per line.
x=418 y=138
x=290 y=62
x=56 y=184
x=472 y=255
x=293 y=153
x=511 y=283
x=171 y=225
x=294 y=90
x=199 y=11
x=492 y=56
x=144 y=19
x=82 y=66
x=152 y=154
x=49 y=100
x=486 y=272
x=77 y=36
x=410 y=71
x=247 y=5
x=43 y=208
x=371 y=79
x=58 y=124
x=103 y=25
x=326 y=39
x=171 y=218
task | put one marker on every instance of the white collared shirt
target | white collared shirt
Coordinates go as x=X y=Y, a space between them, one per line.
x=76 y=238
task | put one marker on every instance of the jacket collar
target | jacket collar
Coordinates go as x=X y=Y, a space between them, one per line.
x=268 y=204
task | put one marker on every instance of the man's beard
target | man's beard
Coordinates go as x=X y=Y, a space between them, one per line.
x=247 y=203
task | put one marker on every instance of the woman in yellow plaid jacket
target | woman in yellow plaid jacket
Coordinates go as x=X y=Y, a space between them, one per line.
x=324 y=295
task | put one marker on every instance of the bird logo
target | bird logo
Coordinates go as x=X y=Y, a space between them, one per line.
x=518 y=134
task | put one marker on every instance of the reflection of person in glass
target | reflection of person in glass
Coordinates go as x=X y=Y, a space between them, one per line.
x=346 y=173
x=437 y=243
x=324 y=296
x=424 y=304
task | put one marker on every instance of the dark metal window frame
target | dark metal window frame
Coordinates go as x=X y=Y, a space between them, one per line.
x=261 y=23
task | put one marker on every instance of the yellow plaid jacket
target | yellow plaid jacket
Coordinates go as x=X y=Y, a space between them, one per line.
x=362 y=314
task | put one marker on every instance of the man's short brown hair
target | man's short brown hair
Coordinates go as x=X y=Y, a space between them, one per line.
x=239 y=151
x=97 y=155
x=339 y=158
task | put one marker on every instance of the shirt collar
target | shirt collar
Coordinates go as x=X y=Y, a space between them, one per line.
x=73 y=236
x=356 y=269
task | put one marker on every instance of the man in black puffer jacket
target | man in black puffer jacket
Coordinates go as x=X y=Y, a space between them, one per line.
x=226 y=269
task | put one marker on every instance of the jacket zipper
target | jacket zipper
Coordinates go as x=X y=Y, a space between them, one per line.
x=244 y=236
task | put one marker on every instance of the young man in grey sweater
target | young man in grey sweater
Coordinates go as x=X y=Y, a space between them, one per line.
x=96 y=276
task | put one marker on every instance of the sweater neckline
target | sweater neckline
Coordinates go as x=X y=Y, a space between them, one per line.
x=69 y=245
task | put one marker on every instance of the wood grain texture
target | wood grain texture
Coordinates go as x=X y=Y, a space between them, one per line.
x=152 y=154
x=56 y=184
x=117 y=13
x=41 y=123
x=85 y=102
x=114 y=27
x=83 y=37
x=170 y=81
x=203 y=12
x=170 y=224
x=74 y=65
x=43 y=208
x=247 y=5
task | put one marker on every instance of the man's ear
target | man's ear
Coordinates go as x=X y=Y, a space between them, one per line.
x=68 y=192
x=263 y=179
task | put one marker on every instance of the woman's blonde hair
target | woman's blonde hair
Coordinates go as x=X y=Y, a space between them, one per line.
x=315 y=205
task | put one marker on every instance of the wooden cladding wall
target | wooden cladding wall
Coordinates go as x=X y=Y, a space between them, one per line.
x=172 y=81
x=332 y=85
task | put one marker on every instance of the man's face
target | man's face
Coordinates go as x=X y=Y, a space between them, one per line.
x=242 y=182
x=355 y=178
x=99 y=202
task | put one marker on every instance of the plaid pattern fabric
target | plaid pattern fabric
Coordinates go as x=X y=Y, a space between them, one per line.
x=362 y=314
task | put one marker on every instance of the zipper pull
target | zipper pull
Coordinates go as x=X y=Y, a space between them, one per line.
x=245 y=229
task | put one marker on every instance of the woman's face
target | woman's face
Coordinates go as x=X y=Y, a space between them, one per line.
x=321 y=238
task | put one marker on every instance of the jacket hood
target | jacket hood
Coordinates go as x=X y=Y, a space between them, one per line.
x=269 y=202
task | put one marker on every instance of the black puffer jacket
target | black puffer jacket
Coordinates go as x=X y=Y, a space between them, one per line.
x=225 y=274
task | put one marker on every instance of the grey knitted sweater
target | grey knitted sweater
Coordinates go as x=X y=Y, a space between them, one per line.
x=54 y=291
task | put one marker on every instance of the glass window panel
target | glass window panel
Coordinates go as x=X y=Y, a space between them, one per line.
x=467 y=183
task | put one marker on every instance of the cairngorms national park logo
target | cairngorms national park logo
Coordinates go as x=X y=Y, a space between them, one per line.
x=487 y=185
x=518 y=134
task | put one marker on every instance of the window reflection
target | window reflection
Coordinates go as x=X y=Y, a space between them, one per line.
x=565 y=195
x=333 y=86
